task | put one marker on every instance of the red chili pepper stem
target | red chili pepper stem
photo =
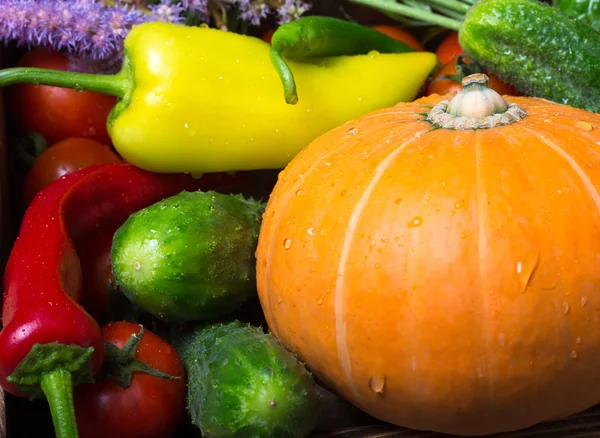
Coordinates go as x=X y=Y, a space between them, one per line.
x=58 y=388
x=51 y=371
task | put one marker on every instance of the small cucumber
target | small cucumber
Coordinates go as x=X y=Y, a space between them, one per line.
x=243 y=383
x=190 y=256
x=537 y=48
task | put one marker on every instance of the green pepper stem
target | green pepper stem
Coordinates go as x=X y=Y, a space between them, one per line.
x=58 y=388
x=115 y=85
x=413 y=12
x=286 y=76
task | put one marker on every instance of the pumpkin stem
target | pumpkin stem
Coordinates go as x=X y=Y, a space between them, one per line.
x=476 y=106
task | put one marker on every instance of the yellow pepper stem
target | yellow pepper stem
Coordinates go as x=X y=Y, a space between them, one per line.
x=115 y=85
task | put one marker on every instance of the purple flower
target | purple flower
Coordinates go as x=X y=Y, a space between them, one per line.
x=95 y=31
x=86 y=28
x=292 y=10
x=199 y=7
x=167 y=11
x=253 y=11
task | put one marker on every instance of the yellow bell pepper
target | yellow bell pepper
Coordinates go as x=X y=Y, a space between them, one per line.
x=195 y=99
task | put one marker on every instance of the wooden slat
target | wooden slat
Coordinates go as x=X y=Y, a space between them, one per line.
x=2 y=416
x=583 y=425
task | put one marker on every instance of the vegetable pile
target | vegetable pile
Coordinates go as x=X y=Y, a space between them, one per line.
x=414 y=212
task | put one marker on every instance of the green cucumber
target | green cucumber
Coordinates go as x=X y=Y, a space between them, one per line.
x=189 y=257
x=529 y=44
x=244 y=383
x=537 y=48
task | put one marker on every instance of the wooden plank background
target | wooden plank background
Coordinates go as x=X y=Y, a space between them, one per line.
x=2 y=416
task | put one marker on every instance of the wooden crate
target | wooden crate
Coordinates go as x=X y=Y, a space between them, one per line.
x=339 y=419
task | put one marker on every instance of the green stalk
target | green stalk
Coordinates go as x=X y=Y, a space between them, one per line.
x=115 y=85
x=451 y=13
x=454 y=5
x=58 y=388
x=419 y=14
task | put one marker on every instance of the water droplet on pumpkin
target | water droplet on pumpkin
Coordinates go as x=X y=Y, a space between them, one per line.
x=566 y=308
x=574 y=354
x=583 y=301
x=417 y=221
x=352 y=131
x=459 y=204
x=525 y=267
x=397 y=201
x=299 y=192
x=287 y=243
x=320 y=300
x=310 y=231
x=377 y=384
x=279 y=300
x=578 y=340
x=463 y=235
x=377 y=265
x=584 y=126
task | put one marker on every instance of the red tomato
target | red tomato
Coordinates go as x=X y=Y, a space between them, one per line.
x=268 y=35
x=400 y=35
x=57 y=113
x=453 y=85
x=449 y=48
x=65 y=157
x=151 y=407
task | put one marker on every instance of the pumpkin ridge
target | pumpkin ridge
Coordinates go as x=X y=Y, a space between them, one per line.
x=574 y=165
x=567 y=126
x=591 y=190
x=482 y=249
x=340 y=323
x=281 y=214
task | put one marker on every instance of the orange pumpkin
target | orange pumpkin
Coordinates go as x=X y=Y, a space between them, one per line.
x=444 y=274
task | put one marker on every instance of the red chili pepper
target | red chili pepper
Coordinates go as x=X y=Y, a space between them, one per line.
x=49 y=343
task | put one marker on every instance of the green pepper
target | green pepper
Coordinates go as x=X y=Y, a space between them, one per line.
x=587 y=11
x=310 y=37
x=196 y=99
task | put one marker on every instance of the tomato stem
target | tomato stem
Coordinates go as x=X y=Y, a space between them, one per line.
x=58 y=388
x=121 y=363
x=115 y=85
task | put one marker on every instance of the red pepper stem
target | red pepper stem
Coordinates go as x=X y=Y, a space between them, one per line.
x=58 y=389
x=115 y=85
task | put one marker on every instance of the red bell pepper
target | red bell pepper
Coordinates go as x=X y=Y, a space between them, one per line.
x=49 y=343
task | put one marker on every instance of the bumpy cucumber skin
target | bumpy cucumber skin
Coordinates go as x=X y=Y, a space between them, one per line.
x=189 y=257
x=537 y=48
x=242 y=383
